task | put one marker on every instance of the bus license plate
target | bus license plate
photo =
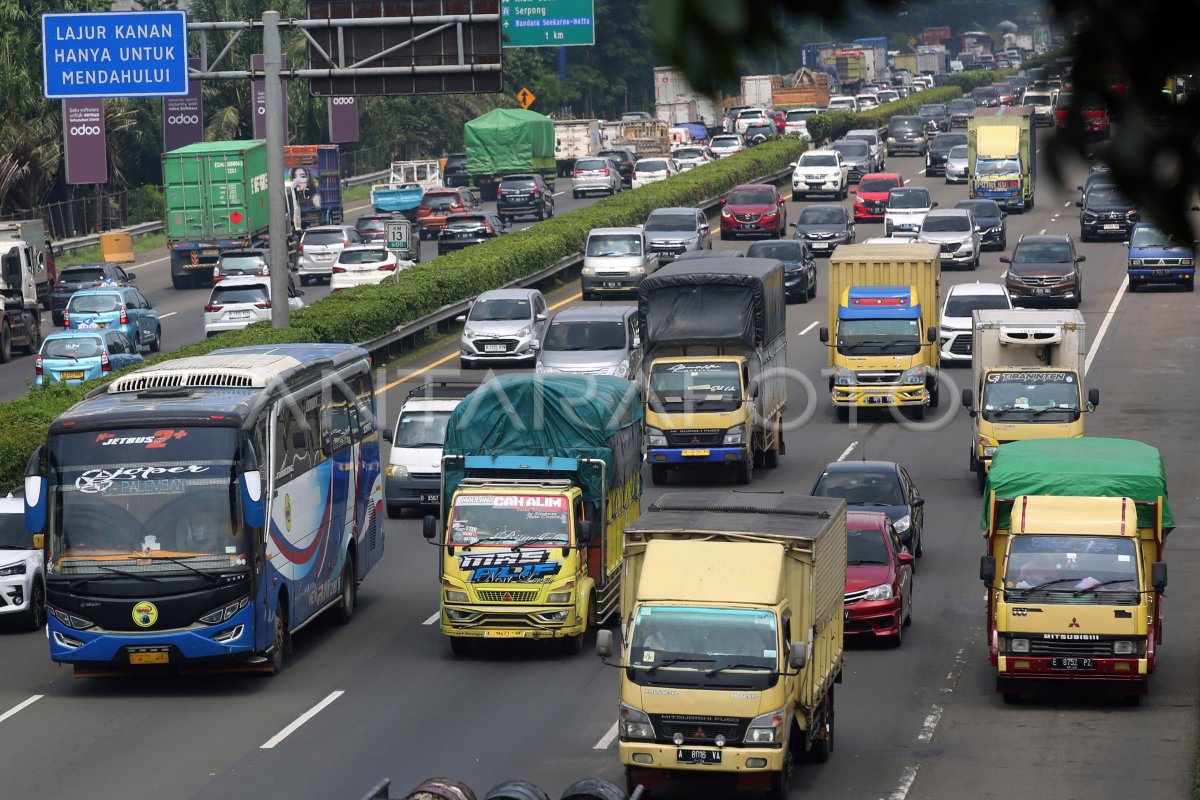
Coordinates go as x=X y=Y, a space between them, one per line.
x=688 y=756
x=152 y=657
x=504 y=634
x=1072 y=663
x=694 y=452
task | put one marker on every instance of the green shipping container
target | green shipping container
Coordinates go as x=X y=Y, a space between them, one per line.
x=508 y=140
x=216 y=190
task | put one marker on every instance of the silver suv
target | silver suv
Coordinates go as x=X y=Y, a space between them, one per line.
x=320 y=247
x=502 y=325
x=595 y=175
x=670 y=232
x=953 y=231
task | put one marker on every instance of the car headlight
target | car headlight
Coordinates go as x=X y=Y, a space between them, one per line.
x=903 y=524
x=725 y=212
x=468 y=334
x=637 y=270
x=523 y=332
x=1088 y=216
x=913 y=376
x=655 y=438
x=1122 y=647
x=13 y=569
x=891 y=140
x=622 y=369
x=881 y=592
x=1018 y=645
x=1132 y=214
x=1137 y=262
x=397 y=471
x=634 y=723
x=692 y=240
x=843 y=376
x=589 y=271
x=1186 y=262
x=735 y=435
x=766 y=728
x=455 y=596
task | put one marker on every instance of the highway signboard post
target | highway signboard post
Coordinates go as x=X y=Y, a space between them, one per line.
x=547 y=23
x=105 y=54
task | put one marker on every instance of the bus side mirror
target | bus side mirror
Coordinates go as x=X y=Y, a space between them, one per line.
x=1093 y=399
x=429 y=527
x=35 y=492
x=798 y=656
x=987 y=569
x=604 y=643
x=254 y=508
x=1158 y=576
x=823 y=335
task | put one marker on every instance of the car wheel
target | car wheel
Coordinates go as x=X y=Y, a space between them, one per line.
x=804 y=295
x=1190 y=285
x=156 y=342
x=812 y=284
x=898 y=638
x=725 y=238
x=35 y=617
x=919 y=543
x=395 y=512
x=304 y=278
x=576 y=195
x=465 y=365
x=460 y=646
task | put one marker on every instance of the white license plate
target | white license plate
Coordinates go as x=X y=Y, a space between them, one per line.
x=819 y=245
x=494 y=348
x=611 y=284
x=689 y=756
x=1112 y=227
x=240 y=315
x=324 y=256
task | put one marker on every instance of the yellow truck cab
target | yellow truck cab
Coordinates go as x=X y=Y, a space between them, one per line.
x=1002 y=156
x=714 y=333
x=1074 y=569
x=1027 y=380
x=731 y=638
x=540 y=476
x=881 y=340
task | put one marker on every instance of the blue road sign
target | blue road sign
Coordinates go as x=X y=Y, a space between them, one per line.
x=114 y=54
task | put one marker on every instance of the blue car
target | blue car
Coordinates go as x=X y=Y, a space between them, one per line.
x=121 y=308
x=1155 y=257
x=78 y=356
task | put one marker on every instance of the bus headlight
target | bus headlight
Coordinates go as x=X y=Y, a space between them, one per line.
x=222 y=614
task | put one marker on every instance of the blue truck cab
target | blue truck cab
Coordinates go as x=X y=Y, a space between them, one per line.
x=1157 y=257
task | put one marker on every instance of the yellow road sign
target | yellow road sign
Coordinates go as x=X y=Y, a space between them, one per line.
x=526 y=98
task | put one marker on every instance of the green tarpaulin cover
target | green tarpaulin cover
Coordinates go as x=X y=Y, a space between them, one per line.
x=507 y=140
x=1084 y=467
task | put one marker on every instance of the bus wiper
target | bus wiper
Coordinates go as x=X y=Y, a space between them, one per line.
x=670 y=662
x=1048 y=583
x=209 y=576
x=717 y=670
x=1078 y=592
x=78 y=582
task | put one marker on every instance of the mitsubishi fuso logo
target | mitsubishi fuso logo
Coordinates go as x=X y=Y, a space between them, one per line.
x=1074 y=623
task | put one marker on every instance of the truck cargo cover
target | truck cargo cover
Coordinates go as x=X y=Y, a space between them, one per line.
x=1083 y=467
x=716 y=301
x=800 y=517
x=507 y=140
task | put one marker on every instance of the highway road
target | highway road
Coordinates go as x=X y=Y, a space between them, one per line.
x=384 y=697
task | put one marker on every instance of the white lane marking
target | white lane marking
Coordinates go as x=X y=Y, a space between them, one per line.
x=906 y=782
x=560 y=194
x=846 y=452
x=168 y=314
x=607 y=739
x=930 y=724
x=1042 y=232
x=809 y=328
x=432 y=619
x=1067 y=204
x=20 y=707
x=960 y=663
x=921 y=172
x=147 y=263
x=300 y=720
x=1108 y=315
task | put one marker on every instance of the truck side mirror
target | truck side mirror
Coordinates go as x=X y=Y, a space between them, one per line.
x=585 y=531
x=968 y=398
x=987 y=569
x=823 y=335
x=1158 y=576
x=932 y=333
x=604 y=643
x=798 y=656
x=429 y=527
x=1093 y=399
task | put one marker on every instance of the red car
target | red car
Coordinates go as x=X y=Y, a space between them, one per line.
x=753 y=209
x=871 y=195
x=780 y=120
x=879 y=578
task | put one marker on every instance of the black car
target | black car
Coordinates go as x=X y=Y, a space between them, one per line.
x=878 y=486
x=464 y=230
x=524 y=196
x=823 y=226
x=624 y=160
x=907 y=134
x=1098 y=176
x=939 y=149
x=937 y=118
x=373 y=227
x=1106 y=214
x=799 y=266
x=990 y=221
x=84 y=276
x=762 y=132
x=454 y=174
x=986 y=96
x=959 y=110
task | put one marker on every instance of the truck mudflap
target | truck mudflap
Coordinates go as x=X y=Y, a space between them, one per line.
x=881 y=396
x=696 y=455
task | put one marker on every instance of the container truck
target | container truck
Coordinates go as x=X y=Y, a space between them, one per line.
x=30 y=235
x=540 y=476
x=757 y=90
x=216 y=199
x=672 y=89
x=508 y=141
x=931 y=59
x=1074 y=570
x=714 y=334
x=1001 y=156
x=731 y=613
x=881 y=340
x=20 y=315
x=1027 y=380
x=574 y=139
x=314 y=178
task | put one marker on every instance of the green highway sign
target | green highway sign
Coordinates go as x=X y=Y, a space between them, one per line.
x=397 y=235
x=547 y=23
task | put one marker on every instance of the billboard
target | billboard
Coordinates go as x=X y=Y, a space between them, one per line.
x=259 y=100
x=85 y=154
x=183 y=117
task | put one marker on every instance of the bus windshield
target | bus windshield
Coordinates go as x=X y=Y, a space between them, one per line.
x=133 y=499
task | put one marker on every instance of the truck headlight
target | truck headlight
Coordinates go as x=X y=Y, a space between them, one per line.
x=13 y=569
x=655 y=438
x=589 y=271
x=843 y=376
x=637 y=270
x=455 y=596
x=735 y=435
x=1122 y=648
x=1018 y=645
x=903 y=524
x=397 y=471
x=634 y=724
x=1186 y=262
x=766 y=728
x=913 y=376
x=881 y=592
x=989 y=450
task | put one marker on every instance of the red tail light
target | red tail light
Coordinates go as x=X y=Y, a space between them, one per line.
x=300 y=247
x=66 y=319
x=499 y=193
x=345 y=242
x=265 y=271
x=37 y=366
x=487 y=226
x=604 y=171
x=263 y=305
x=536 y=191
x=210 y=308
x=575 y=173
x=124 y=316
x=104 y=365
x=338 y=270
x=387 y=268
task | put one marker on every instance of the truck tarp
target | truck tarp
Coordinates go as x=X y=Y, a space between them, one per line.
x=1086 y=467
x=719 y=301
x=553 y=416
x=508 y=140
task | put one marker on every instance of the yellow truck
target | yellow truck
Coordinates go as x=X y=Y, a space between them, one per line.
x=1074 y=569
x=1002 y=156
x=540 y=476
x=882 y=336
x=1028 y=380
x=732 y=609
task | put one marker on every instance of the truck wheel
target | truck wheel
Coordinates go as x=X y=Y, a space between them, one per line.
x=658 y=474
x=33 y=333
x=843 y=413
x=934 y=395
x=918 y=413
x=571 y=645
x=181 y=281
x=781 y=782
x=980 y=478
x=5 y=343
x=771 y=456
x=460 y=646
x=279 y=643
x=743 y=471
x=822 y=748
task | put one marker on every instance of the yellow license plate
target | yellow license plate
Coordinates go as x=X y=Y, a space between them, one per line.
x=504 y=634
x=76 y=375
x=695 y=452
x=148 y=658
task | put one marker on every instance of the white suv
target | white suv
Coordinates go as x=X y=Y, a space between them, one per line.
x=955 y=328
x=238 y=302
x=22 y=571
x=413 y=478
x=821 y=172
x=906 y=209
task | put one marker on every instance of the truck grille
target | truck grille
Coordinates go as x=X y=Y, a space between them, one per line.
x=695 y=437
x=1160 y=262
x=696 y=729
x=495 y=596
x=884 y=376
x=1039 y=647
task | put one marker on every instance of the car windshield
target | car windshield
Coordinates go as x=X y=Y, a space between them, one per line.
x=783 y=251
x=1072 y=569
x=999 y=166
x=949 y=223
x=861 y=488
x=869 y=185
x=906 y=125
x=323 y=237
x=616 y=244
x=72 y=347
x=688 y=153
x=439 y=202
x=82 y=275
x=362 y=256
x=671 y=222
x=741 y=638
x=847 y=102
x=818 y=160
x=695 y=386
x=1064 y=99
x=224 y=294
x=369 y=224
x=726 y=141
x=855 y=149
x=822 y=215
x=948 y=142
x=1035 y=99
x=591 y=163
x=423 y=428
x=511 y=520
x=865 y=547
x=958 y=152
x=908 y=198
x=1042 y=253
x=615 y=155
x=93 y=303
x=466 y=223
x=986 y=92
x=497 y=309
x=246 y=263
x=932 y=112
x=1144 y=236
x=652 y=166
x=1107 y=195
x=1025 y=395
x=751 y=197
x=861 y=337
x=798 y=116
x=962 y=304
x=982 y=209
x=574 y=335
x=960 y=106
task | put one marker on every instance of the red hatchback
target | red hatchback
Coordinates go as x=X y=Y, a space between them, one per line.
x=879 y=578
x=753 y=209
x=871 y=195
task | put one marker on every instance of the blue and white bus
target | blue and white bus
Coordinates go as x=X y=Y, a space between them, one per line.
x=202 y=510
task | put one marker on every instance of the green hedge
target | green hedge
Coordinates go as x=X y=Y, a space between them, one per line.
x=368 y=312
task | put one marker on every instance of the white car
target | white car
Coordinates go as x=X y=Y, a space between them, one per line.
x=866 y=102
x=955 y=327
x=22 y=571
x=652 y=170
x=502 y=325
x=906 y=209
x=953 y=230
x=748 y=117
x=691 y=156
x=796 y=120
x=727 y=145
x=365 y=264
x=821 y=172
x=843 y=102
x=956 y=164
x=238 y=302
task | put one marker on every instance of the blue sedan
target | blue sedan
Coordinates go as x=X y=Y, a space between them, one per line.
x=78 y=356
x=122 y=308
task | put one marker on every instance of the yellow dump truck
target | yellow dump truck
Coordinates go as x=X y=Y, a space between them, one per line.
x=731 y=621
x=1074 y=569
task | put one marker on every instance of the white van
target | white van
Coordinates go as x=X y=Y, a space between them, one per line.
x=413 y=478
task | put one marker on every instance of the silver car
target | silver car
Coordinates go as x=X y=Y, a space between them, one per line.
x=593 y=340
x=671 y=232
x=595 y=175
x=956 y=164
x=319 y=249
x=953 y=231
x=727 y=144
x=502 y=325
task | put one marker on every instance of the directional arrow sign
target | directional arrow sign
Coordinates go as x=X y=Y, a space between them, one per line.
x=526 y=98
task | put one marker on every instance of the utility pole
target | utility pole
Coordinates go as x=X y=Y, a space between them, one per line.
x=276 y=139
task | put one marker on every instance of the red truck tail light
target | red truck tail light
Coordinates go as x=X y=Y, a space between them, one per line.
x=37 y=365
x=105 y=366
x=124 y=316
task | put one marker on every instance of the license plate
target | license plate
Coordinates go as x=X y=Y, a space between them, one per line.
x=685 y=755
x=73 y=375
x=1041 y=291
x=694 y=452
x=1160 y=272
x=879 y=399
x=504 y=634
x=156 y=657
x=431 y=498
x=820 y=245
x=1112 y=227
x=1072 y=663
x=240 y=315
x=210 y=252
x=748 y=227
x=494 y=348
x=612 y=284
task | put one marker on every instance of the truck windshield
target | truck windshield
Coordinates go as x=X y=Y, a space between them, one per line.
x=700 y=641
x=861 y=337
x=1072 y=569
x=614 y=245
x=1000 y=166
x=422 y=428
x=1144 y=236
x=510 y=519
x=700 y=386
x=1024 y=396
x=125 y=498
